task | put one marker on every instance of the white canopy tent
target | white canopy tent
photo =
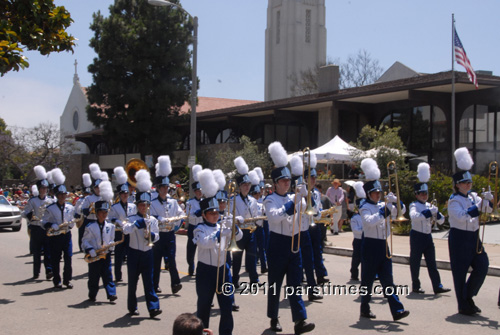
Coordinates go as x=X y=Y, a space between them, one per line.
x=335 y=151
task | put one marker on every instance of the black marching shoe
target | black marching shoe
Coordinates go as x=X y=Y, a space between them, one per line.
x=302 y=327
x=275 y=325
x=368 y=315
x=400 y=315
x=49 y=275
x=134 y=313
x=58 y=285
x=112 y=298
x=176 y=288
x=442 y=290
x=235 y=307
x=157 y=290
x=68 y=285
x=154 y=312
x=468 y=311
x=35 y=277
x=314 y=297
x=473 y=305
x=418 y=290
x=91 y=299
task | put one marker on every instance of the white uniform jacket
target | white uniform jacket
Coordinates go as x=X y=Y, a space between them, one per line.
x=209 y=247
x=357 y=226
x=137 y=239
x=37 y=207
x=87 y=203
x=419 y=221
x=96 y=236
x=459 y=217
x=246 y=207
x=54 y=214
x=119 y=213
x=168 y=208
x=374 y=223
x=192 y=206
x=276 y=207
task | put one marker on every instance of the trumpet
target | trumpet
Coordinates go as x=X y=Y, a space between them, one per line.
x=165 y=225
x=233 y=246
x=249 y=223
x=102 y=252
x=63 y=229
x=147 y=231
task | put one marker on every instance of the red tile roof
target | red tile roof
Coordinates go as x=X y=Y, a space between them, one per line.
x=208 y=104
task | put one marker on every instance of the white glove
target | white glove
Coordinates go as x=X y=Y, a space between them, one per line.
x=92 y=253
x=391 y=198
x=302 y=190
x=55 y=226
x=240 y=219
x=434 y=210
x=226 y=232
x=487 y=195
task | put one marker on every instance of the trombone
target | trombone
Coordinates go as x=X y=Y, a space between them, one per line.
x=233 y=246
x=493 y=172
x=392 y=176
x=147 y=232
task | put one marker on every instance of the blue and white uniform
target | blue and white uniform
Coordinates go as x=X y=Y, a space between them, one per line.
x=315 y=231
x=118 y=215
x=192 y=210
x=357 y=231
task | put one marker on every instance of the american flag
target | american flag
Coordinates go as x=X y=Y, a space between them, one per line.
x=462 y=59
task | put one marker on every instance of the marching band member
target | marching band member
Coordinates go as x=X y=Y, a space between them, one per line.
x=99 y=235
x=86 y=191
x=246 y=207
x=374 y=246
x=118 y=215
x=212 y=241
x=279 y=207
x=306 y=250
x=33 y=212
x=262 y=232
x=57 y=216
x=193 y=206
x=357 y=231
x=466 y=248
x=163 y=208
x=143 y=231
x=422 y=214
x=315 y=231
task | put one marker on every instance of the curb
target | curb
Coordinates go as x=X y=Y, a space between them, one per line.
x=402 y=259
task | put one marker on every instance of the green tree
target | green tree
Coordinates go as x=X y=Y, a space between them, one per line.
x=387 y=146
x=253 y=156
x=32 y=25
x=141 y=75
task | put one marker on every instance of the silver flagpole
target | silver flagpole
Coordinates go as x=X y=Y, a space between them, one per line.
x=453 y=93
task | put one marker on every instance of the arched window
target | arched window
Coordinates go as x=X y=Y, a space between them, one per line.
x=226 y=136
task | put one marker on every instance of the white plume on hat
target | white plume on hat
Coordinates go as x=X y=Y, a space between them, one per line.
x=87 y=182
x=254 y=177
x=241 y=165
x=208 y=183
x=297 y=165
x=50 y=179
x=104 y=176
x=259 y=172
x=144 y=182
x=464 y=159
x=219 y=178
x=34 y=190
x=164 y=166
x=423 y=172
x=196 y=169
x=370 y=169
x=360 y=191
x=314 y=160
x=40 y=172
x=121 y=175
x=95 y=171
x=278 y=154
x=59 y=177
x=106 y=190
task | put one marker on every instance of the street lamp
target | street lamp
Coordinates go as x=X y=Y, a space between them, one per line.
x=194 y=92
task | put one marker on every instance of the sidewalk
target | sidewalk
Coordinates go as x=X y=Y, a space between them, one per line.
x=342 y=245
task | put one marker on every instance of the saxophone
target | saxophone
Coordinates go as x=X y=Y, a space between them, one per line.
x=166 y=225
x=102 y=252
x=63 y=229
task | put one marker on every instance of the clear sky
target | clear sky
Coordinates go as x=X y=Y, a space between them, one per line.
x=231 y=47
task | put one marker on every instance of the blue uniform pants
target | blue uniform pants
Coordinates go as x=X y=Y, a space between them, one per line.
x=260 y=237
x=317 y=247
x=462 y=246
x=422 y=244
x=190 y=248
x=141 y=263
x=165 y=247
x=356 y=258
x=282 y=261
x=247 y=244
x=306 y=251
x=373 y=262
x=120 y=253
x=97 y=270
x=61 y=245
x=206 y=277
x=38 y=243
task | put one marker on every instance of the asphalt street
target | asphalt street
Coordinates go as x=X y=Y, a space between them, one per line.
x=34 y=307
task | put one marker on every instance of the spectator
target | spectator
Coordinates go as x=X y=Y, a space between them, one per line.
x=327 y=204
x=353 y=172
x=336 y=195
x=189 y=324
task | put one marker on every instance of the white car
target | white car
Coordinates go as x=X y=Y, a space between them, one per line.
x=10 y=215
